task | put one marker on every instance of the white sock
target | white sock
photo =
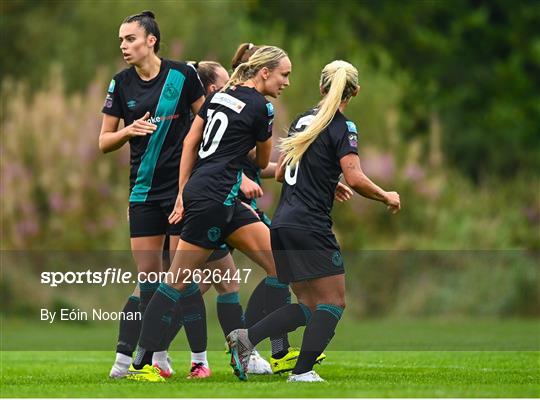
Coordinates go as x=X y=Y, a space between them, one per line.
x=123 y=360
x=160 y=358
x=199 y=358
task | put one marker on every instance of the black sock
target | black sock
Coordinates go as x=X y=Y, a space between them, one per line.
x=156 y=321
x=317 y=335
x=177 y=317
x=129 y=329
x=194 y=318
x=147 y=291
x=229 y=312
x=286 y=319
x=255 y=307
x=277 y=295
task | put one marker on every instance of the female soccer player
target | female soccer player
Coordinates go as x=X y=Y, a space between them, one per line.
x=229 y=125
x=154 y=97
x=322 y=144
x=280 y=361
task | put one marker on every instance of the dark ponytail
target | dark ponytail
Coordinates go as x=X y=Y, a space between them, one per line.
x=147 y=20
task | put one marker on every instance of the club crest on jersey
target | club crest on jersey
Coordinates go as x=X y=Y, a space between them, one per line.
x=270 y=109
x=170 y=92
x=228 y=101
x=337 y=260
x=131 y=104
x=111 y=86
x=214 y=234
x=351 y=127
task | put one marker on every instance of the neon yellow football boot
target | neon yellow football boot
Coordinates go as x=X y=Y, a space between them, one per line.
x=288 y=362
x=146 y=374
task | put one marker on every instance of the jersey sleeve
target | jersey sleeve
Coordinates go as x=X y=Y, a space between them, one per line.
x=203 y=112
x=194 y=86
x=346 y=140
x=264 y=122
x=113 y=103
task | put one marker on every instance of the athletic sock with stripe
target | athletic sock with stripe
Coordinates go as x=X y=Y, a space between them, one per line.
x=319 y=331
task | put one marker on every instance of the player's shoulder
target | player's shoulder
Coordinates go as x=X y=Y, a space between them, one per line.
x=123 y=77
x=181 y=66
x=341 y=125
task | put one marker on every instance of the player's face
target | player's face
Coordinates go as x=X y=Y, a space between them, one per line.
x=135 y=44
x=278 y=78
x=222 y=76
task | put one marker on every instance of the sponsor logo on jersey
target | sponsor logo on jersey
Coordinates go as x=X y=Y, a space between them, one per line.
x=353 y=139
x=270 y=109
x=351 y=127
x=157 y=120
x=229 y=101
x=131 y=104
x=170 y=92
x=108 y=101
x=214 y=234
x=111 y=86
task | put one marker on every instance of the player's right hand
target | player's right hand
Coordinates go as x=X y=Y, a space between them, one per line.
x=141 y=127
x=393 y=202
x=178 y=212
x=250 y=188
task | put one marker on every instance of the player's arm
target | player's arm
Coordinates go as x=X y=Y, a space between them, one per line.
x=280 y=169
x=187 y=161
x=262 y=153
x=269 y=171
x=189 y=151
x=196 y=105
x=355 y=177
x=111 y=139
x=250 y=188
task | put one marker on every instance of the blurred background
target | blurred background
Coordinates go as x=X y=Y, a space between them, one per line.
x=448 y=115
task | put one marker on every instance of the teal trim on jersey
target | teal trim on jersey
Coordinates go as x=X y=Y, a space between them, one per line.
x=306 y=310
x=267 y=221
x=167 y=319
x=234 y=191
x=168 y=100
x=169 y=291
x=134 y=298
x=229 y=298
x=336 y=311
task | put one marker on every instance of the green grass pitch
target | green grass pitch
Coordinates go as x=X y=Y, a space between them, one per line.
x=391 y=359
x=348 y=374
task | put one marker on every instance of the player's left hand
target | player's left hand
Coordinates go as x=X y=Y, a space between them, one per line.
x=343 y=193
x=178 y=212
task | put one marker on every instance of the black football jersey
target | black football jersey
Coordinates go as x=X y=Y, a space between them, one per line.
x=253 y=172
x=307 y=195
x=155 y=158
x=234 y=121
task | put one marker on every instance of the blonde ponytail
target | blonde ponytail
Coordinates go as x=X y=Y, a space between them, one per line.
x=266 y=56
x=339 y=80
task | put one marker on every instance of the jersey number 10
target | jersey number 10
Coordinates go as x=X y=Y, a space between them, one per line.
x=211 y=136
